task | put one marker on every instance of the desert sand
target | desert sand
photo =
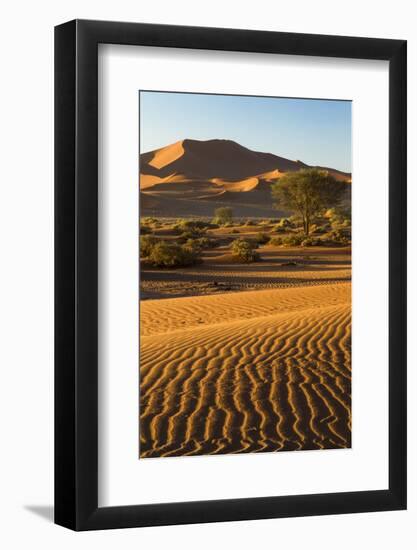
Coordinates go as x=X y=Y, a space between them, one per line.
x=280 y=268
x=254 y=371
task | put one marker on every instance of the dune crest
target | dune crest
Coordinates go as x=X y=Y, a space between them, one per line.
x=167 y=155
x=237 y=186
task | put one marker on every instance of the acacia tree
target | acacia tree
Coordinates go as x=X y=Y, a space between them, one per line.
x=308 y=192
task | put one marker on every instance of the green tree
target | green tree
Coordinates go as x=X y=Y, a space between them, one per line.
x=308 y=192
x=223 y=215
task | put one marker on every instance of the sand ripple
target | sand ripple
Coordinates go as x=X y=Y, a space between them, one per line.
x=246 y=372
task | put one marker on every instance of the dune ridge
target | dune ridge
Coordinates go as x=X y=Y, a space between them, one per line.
x=167 y=155
x=249 y=372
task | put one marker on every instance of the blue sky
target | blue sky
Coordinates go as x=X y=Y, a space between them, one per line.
x=315 y=131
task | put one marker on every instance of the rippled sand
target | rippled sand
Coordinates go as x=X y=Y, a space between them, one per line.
x=253 y=371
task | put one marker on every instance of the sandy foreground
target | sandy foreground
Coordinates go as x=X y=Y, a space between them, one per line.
x=253 y=371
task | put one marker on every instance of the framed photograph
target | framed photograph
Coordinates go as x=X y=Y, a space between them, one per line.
x=230 y=247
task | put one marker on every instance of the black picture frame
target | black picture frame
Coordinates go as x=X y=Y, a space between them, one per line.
x=76 y=272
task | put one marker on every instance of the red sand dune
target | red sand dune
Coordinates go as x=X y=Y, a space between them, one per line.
x=216 y=159
x=214 y=170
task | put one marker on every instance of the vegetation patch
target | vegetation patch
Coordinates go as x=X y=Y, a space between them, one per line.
x=165 y=254
x=244 y=250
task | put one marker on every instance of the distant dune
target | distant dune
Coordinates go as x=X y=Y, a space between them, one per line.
x=215 y=170
x=246 y=372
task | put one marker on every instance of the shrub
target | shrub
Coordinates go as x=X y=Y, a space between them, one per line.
x=285 y=223
x=192 y=225
x=262 y=238
x=147 y=242
x=235 y=231
x=180 y=224
x=192 y=234
x=193 y=244
x=295 y=220
x=335 y=224
x=144 y=229
x=292 y=240
x=339 y=216
x=165 y=254
x=341 y=233
x=279 y=229
x=244 y=250
x=308 y=241
x=149 y=221
x=199 y=244
x=275 y=241
x=223 y=215
x=205 y=242
x=340 y=236
x=321 y=229
x=192 y=228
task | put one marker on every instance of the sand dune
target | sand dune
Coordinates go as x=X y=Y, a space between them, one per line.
x=272 y=175
x=167 y=155
x=217 y=158
x=149 y=181
x=237 y=186
x=223 y=170
x=251 y=371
